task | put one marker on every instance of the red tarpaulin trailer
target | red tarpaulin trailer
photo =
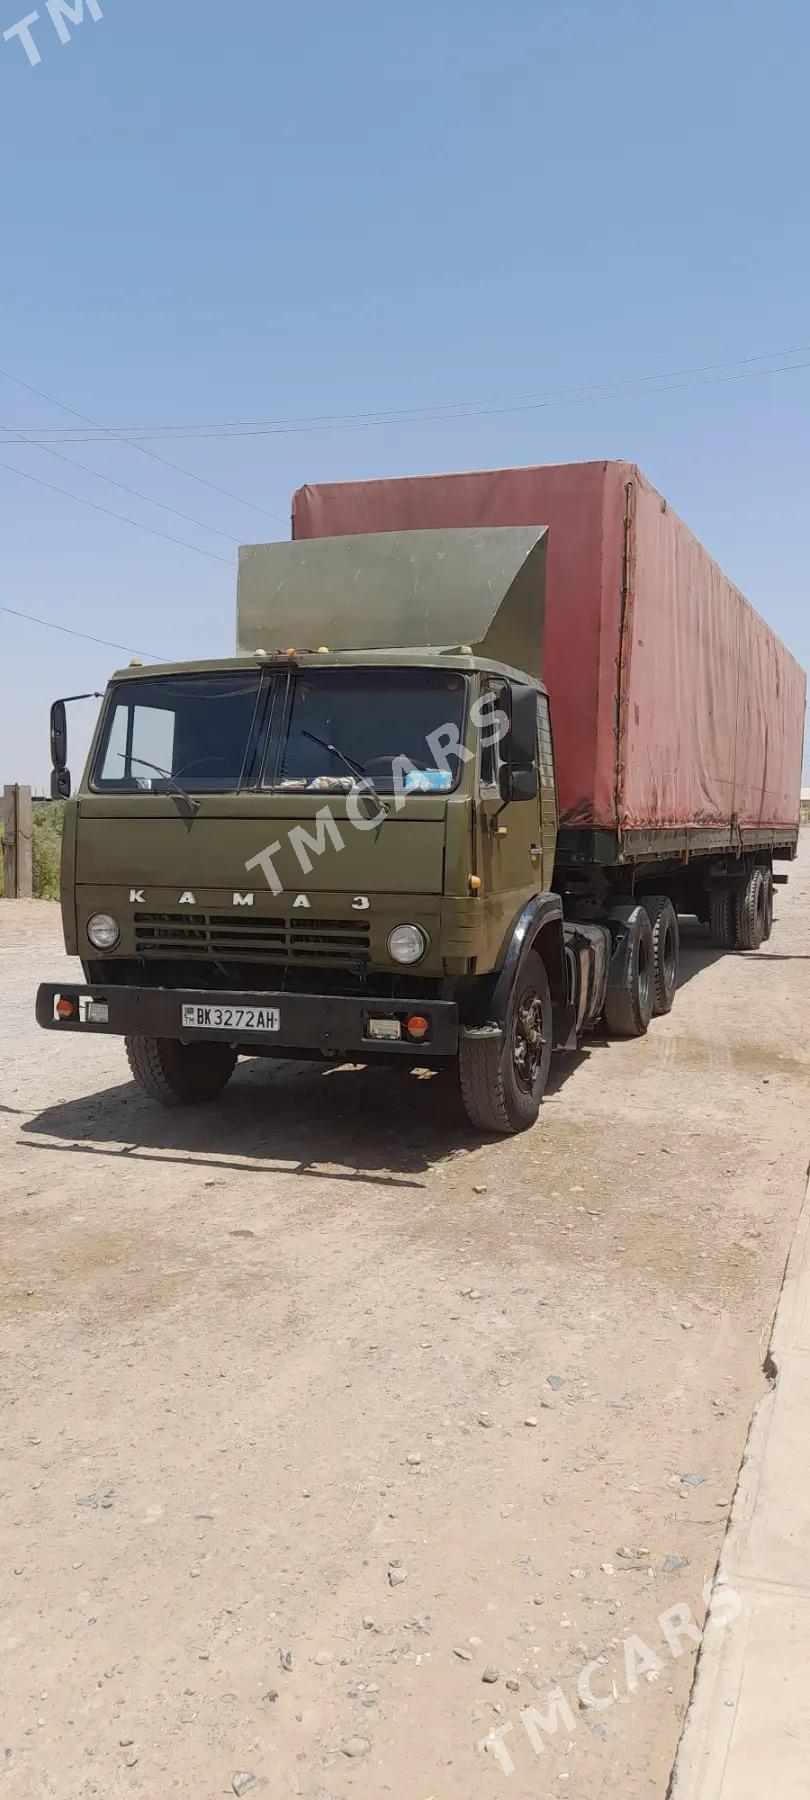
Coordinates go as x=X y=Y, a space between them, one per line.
x=674 y=705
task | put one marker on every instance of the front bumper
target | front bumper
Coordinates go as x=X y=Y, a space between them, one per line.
x=333 y=1024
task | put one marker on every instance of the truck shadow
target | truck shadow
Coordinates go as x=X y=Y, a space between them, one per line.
x=384 y=1124
x=353 y=1122
x=697 y=950
x=766 y=956
x=342 y=1122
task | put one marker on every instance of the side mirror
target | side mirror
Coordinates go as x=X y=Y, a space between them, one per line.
x=519 y=771
x=60 y=784
x=59 y=735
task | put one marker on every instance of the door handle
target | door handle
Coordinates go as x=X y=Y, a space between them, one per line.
x=536 y=852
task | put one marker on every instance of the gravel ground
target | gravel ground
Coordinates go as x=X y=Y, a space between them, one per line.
x=315 y=1378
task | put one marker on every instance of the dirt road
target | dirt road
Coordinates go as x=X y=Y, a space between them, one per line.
x=316 y=1372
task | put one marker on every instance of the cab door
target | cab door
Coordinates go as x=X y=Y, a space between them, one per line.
x=510 y=835
x=547 y=774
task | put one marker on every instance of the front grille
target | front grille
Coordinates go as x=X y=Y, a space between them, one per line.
x=221 y=937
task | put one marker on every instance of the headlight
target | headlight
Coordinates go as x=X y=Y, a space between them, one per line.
x=103 y=931
x=406 y=943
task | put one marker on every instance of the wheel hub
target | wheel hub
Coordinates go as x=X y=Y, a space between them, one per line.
x=529 y=1040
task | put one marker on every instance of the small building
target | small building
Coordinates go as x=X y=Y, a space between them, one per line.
x=804 y=813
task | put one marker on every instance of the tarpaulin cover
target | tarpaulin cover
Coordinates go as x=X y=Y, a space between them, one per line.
x=673 y=703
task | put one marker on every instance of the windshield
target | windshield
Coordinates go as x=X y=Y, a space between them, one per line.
x=194 y=730
x=375 y=723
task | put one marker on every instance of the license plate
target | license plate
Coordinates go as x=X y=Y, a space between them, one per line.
x=265 y=1019
x=389 y=1029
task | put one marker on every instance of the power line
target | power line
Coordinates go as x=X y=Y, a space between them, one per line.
x=50 y=625
x=122 y=518
x=385 y=414
x=490 y=412
x=118 y=437
x=449 y=409
x=48 y=450
x=108 y=644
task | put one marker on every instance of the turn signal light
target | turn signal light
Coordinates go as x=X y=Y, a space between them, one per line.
x=417 y=1027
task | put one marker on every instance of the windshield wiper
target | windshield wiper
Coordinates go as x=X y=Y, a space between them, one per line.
x=192 y=804
x=366 y=789
x=355 y=768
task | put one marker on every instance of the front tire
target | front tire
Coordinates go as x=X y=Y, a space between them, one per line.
x=178 y=1074
x=503 y=1079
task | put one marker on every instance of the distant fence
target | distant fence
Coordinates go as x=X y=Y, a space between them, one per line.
x=18 y=843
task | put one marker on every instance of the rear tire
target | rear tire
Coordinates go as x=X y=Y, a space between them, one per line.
x=631 y=983
x=503 y=1079
x=666 y=949
x=721 y=918
x=768 y=877
x=179 y=1074
x=750 y=914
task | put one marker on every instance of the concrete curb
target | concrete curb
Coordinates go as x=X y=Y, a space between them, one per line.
x=747 y=1730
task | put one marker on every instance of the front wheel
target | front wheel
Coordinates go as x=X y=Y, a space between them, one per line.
x=503 y=1078
x=179 y=1074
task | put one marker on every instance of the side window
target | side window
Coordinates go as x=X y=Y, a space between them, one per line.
x=493 y=696
x=545 y=752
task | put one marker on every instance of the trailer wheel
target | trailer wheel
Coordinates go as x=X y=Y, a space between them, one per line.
x=768 y=879
x=503 y=1079
x=666 y=949
x=631 y=982
x=721 y=918
x=179 y=1074
x=750 y=912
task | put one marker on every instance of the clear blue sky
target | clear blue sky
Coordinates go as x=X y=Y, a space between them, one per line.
x=255 y=212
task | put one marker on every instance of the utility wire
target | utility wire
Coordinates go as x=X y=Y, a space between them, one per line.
x=50 y=625
x=48 y=450
x=384 y=414
x=449 y=409
x=490 y=412
x=121 y=517
x=108 y=644
x=119 y=437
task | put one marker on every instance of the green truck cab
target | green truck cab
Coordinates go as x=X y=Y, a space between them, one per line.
x=341 y=843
